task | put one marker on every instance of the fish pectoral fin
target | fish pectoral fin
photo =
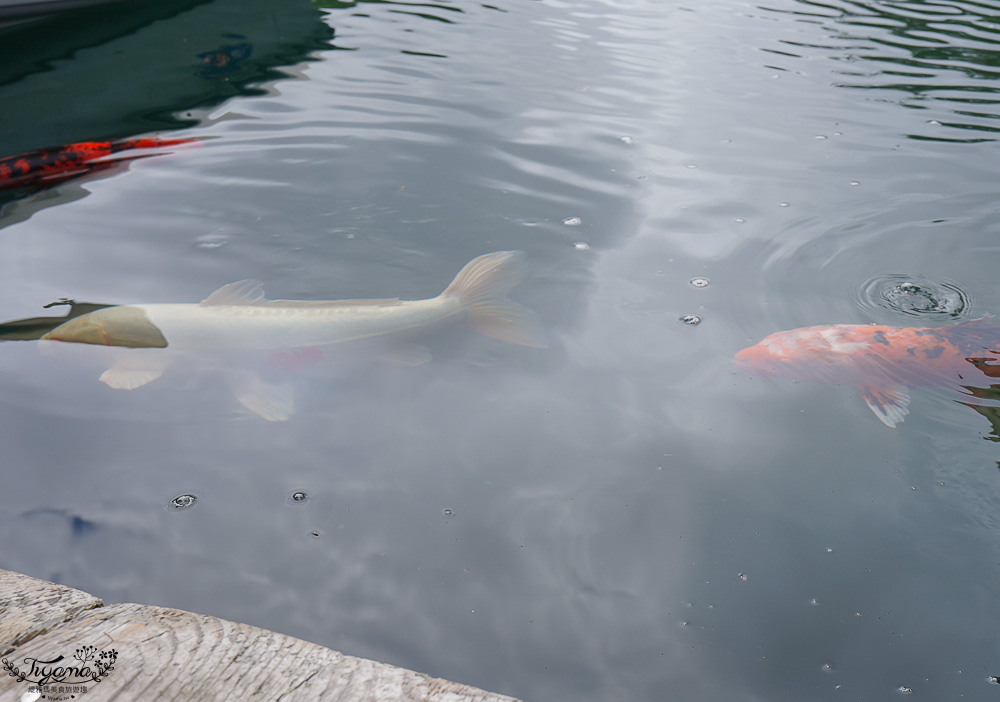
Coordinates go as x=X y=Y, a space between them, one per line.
x=407 y=355
x=128 y=378
x=890 y=404
x=267 y=400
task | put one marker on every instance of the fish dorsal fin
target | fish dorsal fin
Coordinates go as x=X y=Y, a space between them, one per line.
x=890 y=404
x=242 y=292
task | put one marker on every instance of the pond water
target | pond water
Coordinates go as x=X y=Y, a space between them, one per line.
x=624 y=515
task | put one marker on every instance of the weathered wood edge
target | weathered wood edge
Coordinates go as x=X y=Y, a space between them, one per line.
x=170 y=654
x=30 y=607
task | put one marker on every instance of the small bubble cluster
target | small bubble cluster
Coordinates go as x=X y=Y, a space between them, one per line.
x=914 y=295
x=183 y=501
x=691 y=319
x=298 y=497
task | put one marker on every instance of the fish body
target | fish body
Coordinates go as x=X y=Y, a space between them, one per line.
x=273 y=325
x=237 y=317
x=883 y=362
x=57 y=164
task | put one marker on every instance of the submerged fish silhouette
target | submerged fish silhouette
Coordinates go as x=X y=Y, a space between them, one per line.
x=50 y=166
x=883 y=362
x=237 y=317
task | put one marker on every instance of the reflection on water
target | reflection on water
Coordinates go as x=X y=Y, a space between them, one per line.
x=113 y=73
x=934 y=53
x=620 y=516
x=121 y=71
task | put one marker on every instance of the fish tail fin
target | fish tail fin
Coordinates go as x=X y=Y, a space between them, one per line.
x=482 y=285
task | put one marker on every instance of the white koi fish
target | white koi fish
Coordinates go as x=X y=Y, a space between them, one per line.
x=237 y=317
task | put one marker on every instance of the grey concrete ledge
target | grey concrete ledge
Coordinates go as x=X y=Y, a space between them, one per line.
x=157 y=653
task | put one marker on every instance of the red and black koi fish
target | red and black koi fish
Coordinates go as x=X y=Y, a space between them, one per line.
x=883 y=362
x=47 y=167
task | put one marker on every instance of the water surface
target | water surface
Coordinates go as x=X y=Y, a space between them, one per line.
x=623 y=516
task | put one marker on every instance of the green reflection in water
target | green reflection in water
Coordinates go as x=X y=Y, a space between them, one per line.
x=935 y=53
x=113 y=73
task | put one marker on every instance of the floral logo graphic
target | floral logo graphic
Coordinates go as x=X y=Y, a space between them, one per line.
x=52 y=677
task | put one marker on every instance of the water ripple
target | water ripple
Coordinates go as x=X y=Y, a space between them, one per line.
x=913 y=295
x=931 y=55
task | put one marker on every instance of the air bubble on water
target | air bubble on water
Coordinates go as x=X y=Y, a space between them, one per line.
x=183 y=501
x=934 y=122
x=447 y=513
x=855 y=182
x=826 y=667
x=211 y=241
x=625 y=139
x=581 y=245
x=904 y=690
x=813 y=602
x=298 y=497
x=819 y=137
x=572 y=221
x=691 y=319
x=739 y=220
x=782 y=204
x=699 y=282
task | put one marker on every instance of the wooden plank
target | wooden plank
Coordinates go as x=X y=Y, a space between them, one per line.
x=169 y=654
x=29 y=607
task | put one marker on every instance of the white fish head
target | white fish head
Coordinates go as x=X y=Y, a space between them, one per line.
x=111 y=326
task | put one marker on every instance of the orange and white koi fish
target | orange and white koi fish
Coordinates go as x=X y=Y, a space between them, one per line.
x=883 y=362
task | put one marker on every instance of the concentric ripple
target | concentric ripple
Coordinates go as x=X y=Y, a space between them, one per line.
x=914 y=295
